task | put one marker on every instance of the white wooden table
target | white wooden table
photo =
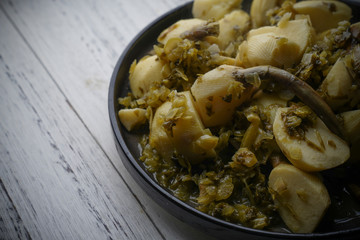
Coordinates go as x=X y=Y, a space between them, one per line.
x=60 y=174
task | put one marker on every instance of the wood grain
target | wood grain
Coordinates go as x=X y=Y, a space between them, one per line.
x=11 y=224
x=53 y=171
x=59 y=165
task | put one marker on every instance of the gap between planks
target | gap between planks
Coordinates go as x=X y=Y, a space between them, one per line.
x=16 y=214
x=80 y=118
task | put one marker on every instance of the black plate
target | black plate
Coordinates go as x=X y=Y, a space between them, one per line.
x=128 y=147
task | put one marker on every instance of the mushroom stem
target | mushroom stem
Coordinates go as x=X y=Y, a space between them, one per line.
x=301 y=89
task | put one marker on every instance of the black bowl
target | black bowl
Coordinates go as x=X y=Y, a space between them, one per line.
x=128 y=147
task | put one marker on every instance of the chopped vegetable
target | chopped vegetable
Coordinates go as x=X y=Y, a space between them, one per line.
x=206 y=9
x=280 y=46
x=144 y=74
x=132 y=118
x=301 y=197
x=227 y=94
x=333 y=11
x=307 y=142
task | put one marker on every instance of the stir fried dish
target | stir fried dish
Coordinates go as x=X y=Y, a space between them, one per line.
x=245 y=115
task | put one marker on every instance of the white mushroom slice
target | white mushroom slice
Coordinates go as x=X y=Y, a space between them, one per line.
x=145 y=73
x=233 y=26
x=178 y=28
x=132 y=118
x=207 y=9
x=281 y=46
x=319 y=150
x=217 y=94
x=324 y=15
x=301 y=198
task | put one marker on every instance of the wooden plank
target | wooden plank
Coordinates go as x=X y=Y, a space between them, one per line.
x=79 y=42
x=11 y=224
x=52 y=171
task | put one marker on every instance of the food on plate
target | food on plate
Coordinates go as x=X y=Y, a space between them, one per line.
x=279 y=46
x=217 y=93
x=206 y=9
x=305 y=140
x=333 y=11
x=259 y=9
x=178 y=28
x=231 y=30
x=301 y=197
x=132 y=118
x=246 y=115
x=183 y=128
x=144 y=74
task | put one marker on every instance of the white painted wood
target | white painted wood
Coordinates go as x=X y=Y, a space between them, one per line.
x=73 y=47
x=11 y=224
x=58 y=178
x=79 y=42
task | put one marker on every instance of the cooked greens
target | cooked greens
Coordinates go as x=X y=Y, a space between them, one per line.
x=239 y=109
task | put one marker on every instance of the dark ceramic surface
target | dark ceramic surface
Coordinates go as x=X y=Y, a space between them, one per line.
x=127 y=146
